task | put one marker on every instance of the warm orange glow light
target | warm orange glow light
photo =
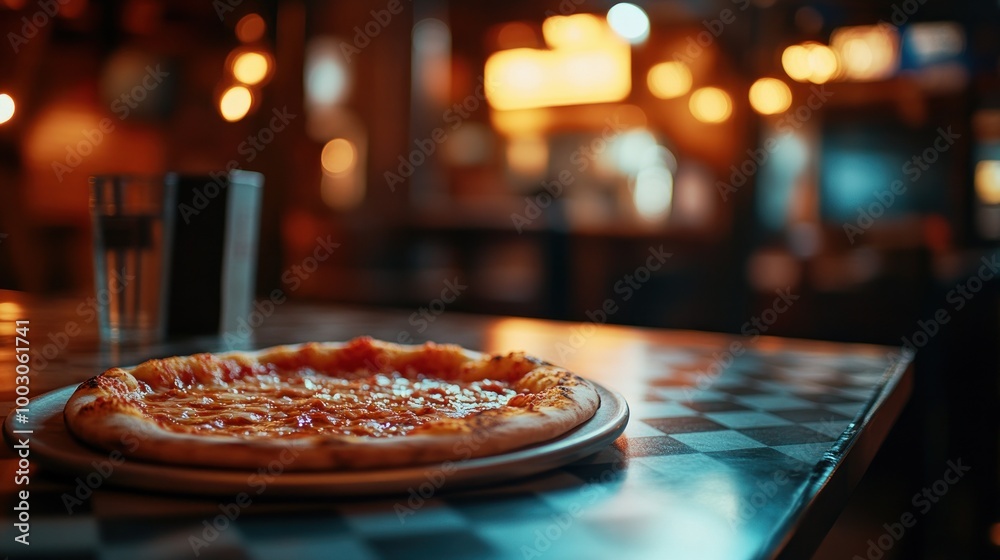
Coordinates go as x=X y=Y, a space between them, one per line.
x=235 y=103
x=586 y=63
x=250 y=67
x=250 y=28
x=522 y=121
x=710 y=105
x=572 y=32
x=516 y=34
x=823 y=63
x=988 y=181
x=667 y=80
x=795 y=61
x=339 y=156
x=528 y=155
x=6 y=108
x=770 y=96
x=9 y=312
x=810 y=62
x=866 y=52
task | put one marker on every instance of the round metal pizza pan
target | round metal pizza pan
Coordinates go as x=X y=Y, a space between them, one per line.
x=55 y=448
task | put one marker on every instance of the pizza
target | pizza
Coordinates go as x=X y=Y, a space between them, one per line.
x=329 y=406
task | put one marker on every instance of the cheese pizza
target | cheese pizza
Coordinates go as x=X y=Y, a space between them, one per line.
x=329 y=406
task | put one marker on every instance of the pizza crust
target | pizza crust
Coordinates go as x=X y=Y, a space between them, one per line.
x=106 y=411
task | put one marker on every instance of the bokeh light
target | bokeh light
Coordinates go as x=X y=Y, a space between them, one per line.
x=527 y=155
x=987 y=180
x=339 y=156
x=795 y=61
x=326 y=77
x=995 y=534
x=235 y=103
x=250 y=67
x=668 y=80
x=431 y=60
x=934 y=42
x=710 y=105
x=823 y=64
x=10 y=312
x=629 y=21
x=6 y=107
x=633 y=150
x=770 y=96
x=810 y=62
x=653 y=192
x=250 y=28
x=866 y=52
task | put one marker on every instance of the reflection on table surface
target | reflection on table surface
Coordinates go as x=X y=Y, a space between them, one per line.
x=736 y=448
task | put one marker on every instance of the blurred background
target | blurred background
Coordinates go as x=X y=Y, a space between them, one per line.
x=843 y=152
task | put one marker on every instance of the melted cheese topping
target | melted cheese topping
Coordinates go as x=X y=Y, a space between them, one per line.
x=304 y=403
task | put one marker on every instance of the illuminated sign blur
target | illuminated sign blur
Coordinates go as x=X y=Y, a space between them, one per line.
x=928 y=43
x=586 y=62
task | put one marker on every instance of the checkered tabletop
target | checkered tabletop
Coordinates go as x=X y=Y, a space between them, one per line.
x=726 y=456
